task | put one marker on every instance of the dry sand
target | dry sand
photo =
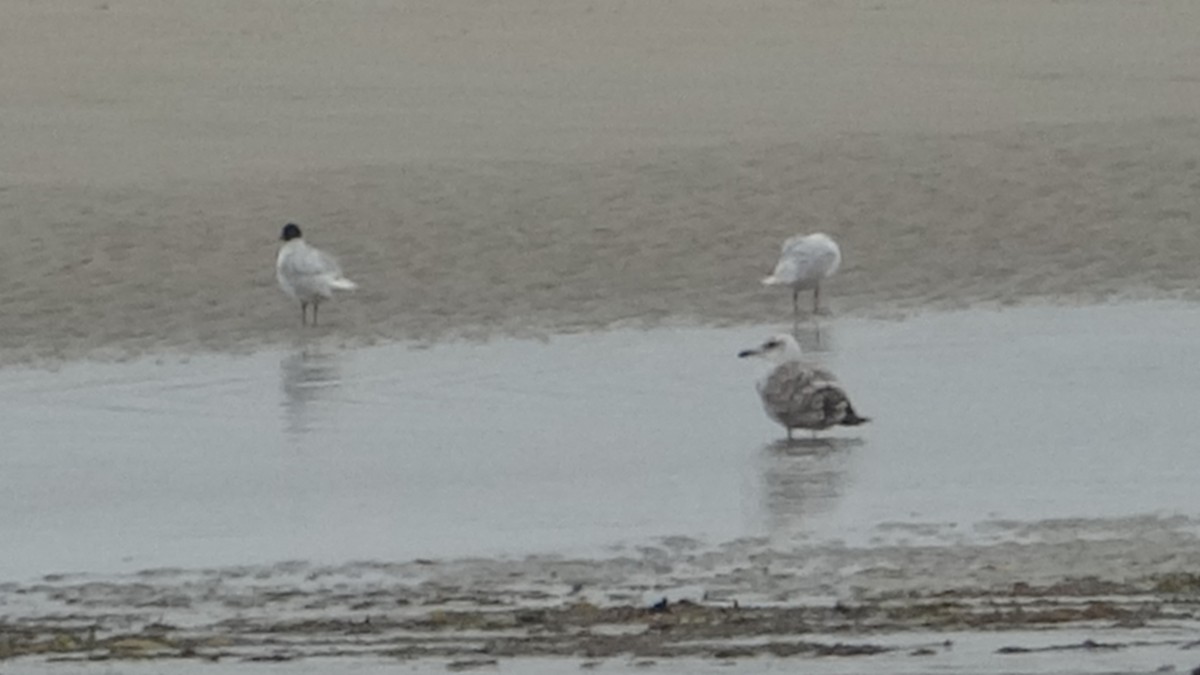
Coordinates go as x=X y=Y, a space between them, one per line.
x=540 y=166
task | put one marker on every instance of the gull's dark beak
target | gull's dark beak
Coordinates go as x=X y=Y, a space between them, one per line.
x=747 y=352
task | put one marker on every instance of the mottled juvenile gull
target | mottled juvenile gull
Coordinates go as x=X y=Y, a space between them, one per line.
x=307 y=273
x=804 y=261
x=799 y=395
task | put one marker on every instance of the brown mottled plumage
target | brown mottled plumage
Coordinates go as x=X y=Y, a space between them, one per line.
x=799 y=395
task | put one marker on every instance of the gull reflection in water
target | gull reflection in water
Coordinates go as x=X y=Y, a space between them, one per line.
x=803 y=478
x=307 y=377
x=814 y=339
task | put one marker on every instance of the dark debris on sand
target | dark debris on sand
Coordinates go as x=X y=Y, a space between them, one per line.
x=474 y=624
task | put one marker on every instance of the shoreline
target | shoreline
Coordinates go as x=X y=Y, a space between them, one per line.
x=326 y=338
x=1024 y=598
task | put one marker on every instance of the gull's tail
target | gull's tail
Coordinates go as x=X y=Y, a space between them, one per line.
x=342 y=284
x=771 y=281
x=852 y=419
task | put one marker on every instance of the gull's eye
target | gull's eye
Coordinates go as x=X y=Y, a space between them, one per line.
x=772 y=344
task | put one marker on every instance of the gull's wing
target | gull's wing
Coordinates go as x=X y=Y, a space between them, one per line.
x=806 y=257
x=309 y=261
x=802 y=396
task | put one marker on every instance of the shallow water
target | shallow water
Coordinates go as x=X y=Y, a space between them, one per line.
x=588 y=441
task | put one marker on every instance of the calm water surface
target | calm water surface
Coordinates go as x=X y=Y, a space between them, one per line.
x=589 y=441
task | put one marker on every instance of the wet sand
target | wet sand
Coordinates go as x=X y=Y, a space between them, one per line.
x=1091 y=212
x=540 y=167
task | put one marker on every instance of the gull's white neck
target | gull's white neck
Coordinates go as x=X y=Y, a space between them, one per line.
x=790 y=352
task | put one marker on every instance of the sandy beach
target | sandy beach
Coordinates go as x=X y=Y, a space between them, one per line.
x=535 y=167
x=525 y=444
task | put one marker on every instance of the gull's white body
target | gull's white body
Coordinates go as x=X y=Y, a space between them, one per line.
x=804 y=261
x=309 y=275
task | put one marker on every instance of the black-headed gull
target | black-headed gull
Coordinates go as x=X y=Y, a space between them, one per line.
x=307 y=273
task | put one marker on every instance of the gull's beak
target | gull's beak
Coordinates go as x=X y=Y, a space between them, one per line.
x=749 y=352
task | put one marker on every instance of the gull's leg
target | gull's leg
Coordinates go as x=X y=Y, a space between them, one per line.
x=796 y=312
x=316 y=304
x=303 y=313
x=817 y=310
x=789 y=433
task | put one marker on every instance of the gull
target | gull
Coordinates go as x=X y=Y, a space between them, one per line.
x=799 y=395
x=307 y=273
x=804 y=261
